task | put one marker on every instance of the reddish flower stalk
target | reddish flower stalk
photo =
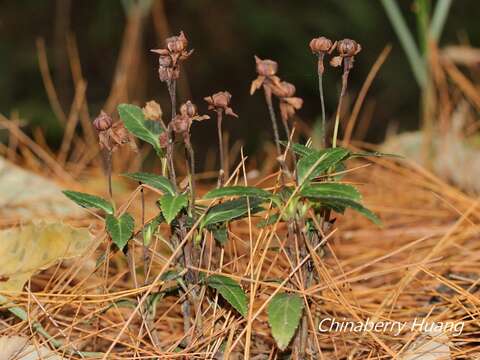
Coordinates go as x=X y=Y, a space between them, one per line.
x=322 y=46
x=110 y=137
x=266 y=70
x=169 y=62
x=219 y=102
x=289 y=104
x=181 y=125
x=347 y=49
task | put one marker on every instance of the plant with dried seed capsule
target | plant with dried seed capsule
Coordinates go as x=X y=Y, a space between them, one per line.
x=220 y=103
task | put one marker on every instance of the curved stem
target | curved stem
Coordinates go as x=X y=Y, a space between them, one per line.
x=322 y=102
x=221 y=173
x=288 y=132
x=191 y=173
x=171 y=85
x=108 y=164
x=268 y=100
x=172 y=90
x=340 y=101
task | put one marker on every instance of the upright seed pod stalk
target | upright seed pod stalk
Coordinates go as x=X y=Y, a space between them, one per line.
x=266 y=70
x=347 y=49
x=321 y=46
x=220 y=103
x=170 y=60
x=289 y=104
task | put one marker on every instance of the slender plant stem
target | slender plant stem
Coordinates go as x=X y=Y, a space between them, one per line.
x=322 y=102
x=191 y=173
x=180 y=232
x=221 y=173
x=108 y=158
x=186 y=317
x=346 y=71
x=286 y=128
x=171 y=168
x=145 y=246
x=171 y=85
x=268 y=100
x=172 y=90
x=288 y=133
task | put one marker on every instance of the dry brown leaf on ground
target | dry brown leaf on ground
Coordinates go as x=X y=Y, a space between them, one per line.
x=28 y=249
x=18 y=348
x=431 y=345
x=26 y=196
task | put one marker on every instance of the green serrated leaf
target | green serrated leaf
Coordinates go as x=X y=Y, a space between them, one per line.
x=315 y=164
x=135 y=122
x=231 y=291
x=284 y=314
x=365 y=212
x=230 y=210
x=150 y=229
x=171 y=205
x=157 y=181
x=300 y=149
x=152 y=301
x=268 y=221
x=338 y=197
x=331 y=191
x=121 y=303
x=242 y=191
x=89 y=201
x=120 y=229
x=373 y=154
x=237 y=191
x=170 y=275
x=220 y=234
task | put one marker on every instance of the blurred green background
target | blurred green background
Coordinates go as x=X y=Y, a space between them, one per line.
x=225 y=35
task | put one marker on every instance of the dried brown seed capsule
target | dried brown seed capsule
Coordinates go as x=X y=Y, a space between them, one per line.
x=114 y=137
x=266 y=67
x=177 y=44
x=320 y=45
x=288 y=106
x=181 y=123
x=152 y=111
x=220 y=101
x=163 y=139
x=120 y=134
x=188 y=109
x=165 y=60
x=102 y=122
x=348 y=47
x=283 y=89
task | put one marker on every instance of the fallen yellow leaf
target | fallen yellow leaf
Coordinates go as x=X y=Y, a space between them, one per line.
x=31 y=248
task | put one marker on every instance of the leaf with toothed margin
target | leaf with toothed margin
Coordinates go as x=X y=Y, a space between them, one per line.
x=315 y=164
x=157 y=181
x=242 y=191
x=300 y=149
x=230 y=210
x=231 y=291
x=338 y=197
x=135 y=122
x=171 y=205
x=120 y=229
x=268 y=221
x=284 y=313
x=89 y=201
x=331 y=191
